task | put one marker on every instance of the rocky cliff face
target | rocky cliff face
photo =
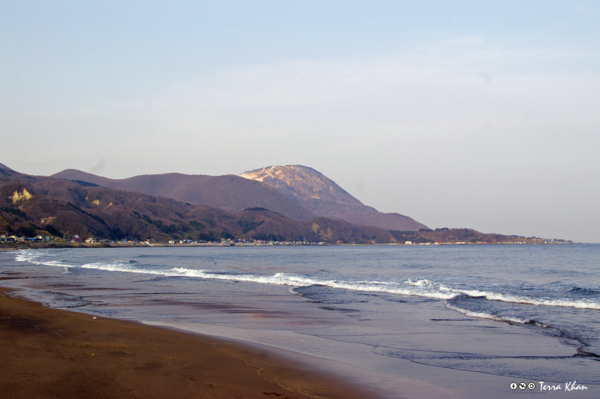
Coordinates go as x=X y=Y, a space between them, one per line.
x=322 y=196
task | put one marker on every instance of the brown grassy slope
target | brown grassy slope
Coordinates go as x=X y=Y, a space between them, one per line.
x=30 y=204
x=100 y=212
x=272 y=226
x=231 y=193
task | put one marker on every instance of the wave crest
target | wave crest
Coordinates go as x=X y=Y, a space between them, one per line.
x=412 y=286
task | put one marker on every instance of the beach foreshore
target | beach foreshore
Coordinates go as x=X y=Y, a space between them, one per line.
x=50 y=353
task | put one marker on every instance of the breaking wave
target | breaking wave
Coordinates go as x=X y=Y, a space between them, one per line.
x=36 y=259
x=413 y=287
x=562 y=302
x=484 y=315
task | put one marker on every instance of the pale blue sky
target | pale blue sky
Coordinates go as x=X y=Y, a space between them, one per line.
x=459 y=114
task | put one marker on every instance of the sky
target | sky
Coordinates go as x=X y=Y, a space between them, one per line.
x=472 y=114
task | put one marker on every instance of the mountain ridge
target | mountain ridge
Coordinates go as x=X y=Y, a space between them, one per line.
x=41 y=205
x=229 y=192
x=322 y=196
x=296 y=191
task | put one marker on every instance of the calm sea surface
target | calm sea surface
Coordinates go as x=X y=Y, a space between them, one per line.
x=528 y=313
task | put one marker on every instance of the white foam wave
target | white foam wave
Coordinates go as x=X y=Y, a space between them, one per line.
x=412 y=287
x=418 y=283
x=26 y=256
x=34 y=258
x=123 y=267
x=422 y=287
x=482 y=315
x=303 y=281
x=494 y=296
x=286 y=279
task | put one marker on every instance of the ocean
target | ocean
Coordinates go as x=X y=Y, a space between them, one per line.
x=456 y=321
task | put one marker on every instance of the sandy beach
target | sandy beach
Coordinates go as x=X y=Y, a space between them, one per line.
x=293 y=323
x=49 y=353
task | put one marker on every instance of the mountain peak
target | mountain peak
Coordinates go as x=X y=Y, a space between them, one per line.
x=301 y=183
x=322 y=196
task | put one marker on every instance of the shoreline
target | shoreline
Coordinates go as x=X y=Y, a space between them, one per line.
x=18 y=245
x=407 y=354
x=51 y=353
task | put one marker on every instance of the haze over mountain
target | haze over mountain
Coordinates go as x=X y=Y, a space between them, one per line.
x=322 y=196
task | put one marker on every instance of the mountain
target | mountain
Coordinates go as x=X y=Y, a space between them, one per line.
x=4 y=167
x=323 y=197
x=231 y=193
x=297 y=192
x=32 y=205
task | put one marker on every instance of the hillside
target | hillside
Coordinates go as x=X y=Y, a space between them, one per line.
x=322 y=196
x=32 y=205
x=297 y=192
x=467 y=236
x=230 y=193
x=2 y=166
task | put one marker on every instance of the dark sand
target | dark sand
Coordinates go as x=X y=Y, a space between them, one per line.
x=49 y=353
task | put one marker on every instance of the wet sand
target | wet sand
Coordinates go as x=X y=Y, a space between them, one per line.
x=50 y=353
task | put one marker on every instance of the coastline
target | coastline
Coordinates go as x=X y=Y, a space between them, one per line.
x=14 y=246
x=56 y=353
x=412 y=347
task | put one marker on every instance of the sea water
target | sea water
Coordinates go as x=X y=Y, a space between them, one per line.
x=519 y=313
